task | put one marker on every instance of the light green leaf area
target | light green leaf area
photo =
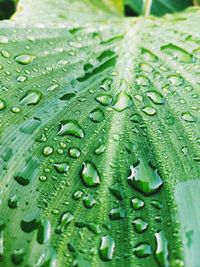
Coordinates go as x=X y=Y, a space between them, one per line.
x=99 y=137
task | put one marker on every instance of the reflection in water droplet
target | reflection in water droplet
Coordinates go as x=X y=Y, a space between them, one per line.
x=71 y=127
x=89 y=174
x=107 y=247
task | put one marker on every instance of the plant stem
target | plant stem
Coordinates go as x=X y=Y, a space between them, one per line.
x=147 y=4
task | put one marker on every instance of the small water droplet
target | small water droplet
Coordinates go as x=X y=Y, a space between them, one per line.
x=123 y=101
x=100 y=149
x=5 y=53
x=64 y=220
x=44 y=231
x=89 y=201
x=150 y=111
x=97 y=115
x=142 y=250
x=187 y=116
x=117 y=213
x=24 y=59
x=156 y=204
x=77 y=194
x=21 y=78
x=89 y=174
x=71 y=127
x=140 y=225
x=74 y=152
x=16 y=110
x=104 y=99
x=106 y=84
x=47 y=150
x=2 y=104
x=61 y=167
x=13 y=202
x=107 y=248
x=175 y=79
x=142 y=80
x=177 y=52
x=137 y=203
x=156 y=97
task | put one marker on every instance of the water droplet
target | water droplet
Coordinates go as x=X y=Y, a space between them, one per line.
x=142 y=80
x=18 y=256
x=148 y=55
x=71 y=127
x=140 y=225
x=135 y=118
x=74 y=152
x=123 y=101
x=95 y=228
x=117 y=214
x=162 y=252
x=89 y=201
x=106 y=84
x=3 y=39
x=90 y=175
x=117 y=191
x=142 y=250
x=21 y=78
x=156 y=204
x=2 y=104
x=16 y=110
x=47 y=150
x=24 y=59
x=137 y=203
x=64 y=220
x=61 y=167
x=100 y=149
x=44 y=231
x=175 y=79
x=32 y=97
x=104 y=99
x=148 y=110
x=156 y=97
x=13 y=202
x=177 y=52
x=96 y=115
x=187 y=116
x=77 y=194
x=107 y=248
x=30 y=222
x=144 y=178
x=5 y=53
x=67 y=96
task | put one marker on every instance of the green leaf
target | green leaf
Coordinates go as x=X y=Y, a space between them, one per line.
x=159 y=7
x=99 y=137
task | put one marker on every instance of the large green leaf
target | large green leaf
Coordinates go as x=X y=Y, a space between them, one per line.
x=159 y=7
x=99 y=128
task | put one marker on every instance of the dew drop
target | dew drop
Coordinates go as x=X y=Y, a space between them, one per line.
x=144 y=178
x=117 y=191
x=140 y=225
x=117 y=213
x=137 y=203
x=30 y=222
x=150 y=111
x=90 y=175
x=142 y=250
x=89 y=201
x=104 y=99
x=61 y=167
x=106 y=84
x=32 y=97
x=64 y=220
x=100 y=149
x=142 y=80
x=177 y=52
x=24 y=59
x=44 y=231
x=18 y=256
x=187 y=116
x=97 y=115
x=5 y=53
x=123 y=101
x=71 y=127
x=175 y=79
x=47 y=151
x=156 y=97
x=162 y=252
x=74 y=152
x=107 y=248
x=2 y=104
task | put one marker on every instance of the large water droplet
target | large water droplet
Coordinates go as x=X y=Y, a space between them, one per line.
x=162 y=252
x=32 y=97
x=107 y=248
x=71 y=127
x=44 y=231
x=177 y=52
x=144 y=178
x=90 y=175
x=123 y=101
x=24 y=59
